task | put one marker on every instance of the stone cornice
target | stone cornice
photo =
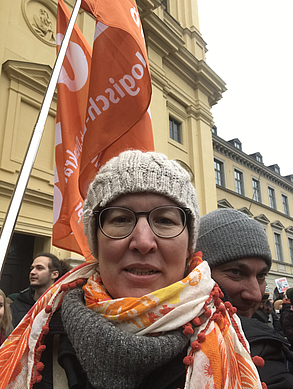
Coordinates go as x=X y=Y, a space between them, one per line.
x=254 y=202
x=196 y=35
x=262 y=219
x=196 y=73
x=161 y=37
x=169 y=44
x=277 y=224
x=231 y=152
x=146 y=6
x=289 y=230
x=31 y=196
x=34 y=76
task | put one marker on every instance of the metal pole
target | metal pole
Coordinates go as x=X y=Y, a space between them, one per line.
x=19 y=190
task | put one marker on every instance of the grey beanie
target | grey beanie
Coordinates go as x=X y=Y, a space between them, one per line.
x=226 y=234
x=134 y=171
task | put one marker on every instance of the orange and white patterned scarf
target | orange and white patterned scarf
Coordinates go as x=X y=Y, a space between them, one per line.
x=218 y=355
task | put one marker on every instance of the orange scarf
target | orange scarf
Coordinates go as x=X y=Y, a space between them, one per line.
x=216 y=357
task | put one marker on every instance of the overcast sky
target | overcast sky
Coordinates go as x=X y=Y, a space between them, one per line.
x=250 y=46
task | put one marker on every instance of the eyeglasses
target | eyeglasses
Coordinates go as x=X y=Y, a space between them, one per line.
x=118 y=222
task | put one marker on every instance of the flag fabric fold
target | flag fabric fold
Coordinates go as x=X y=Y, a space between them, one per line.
x=102 y=108
x=120 y=87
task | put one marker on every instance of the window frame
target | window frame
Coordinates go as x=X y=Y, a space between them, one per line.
x=285 y=204
x=220 y=172
x=237 y=145
x=278 y=246
x=273 y=198
x=176 y=122
x=290 y=246
x=241 y=181
x=256 y=190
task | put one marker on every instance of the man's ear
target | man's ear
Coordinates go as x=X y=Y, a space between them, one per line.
x=55 y=275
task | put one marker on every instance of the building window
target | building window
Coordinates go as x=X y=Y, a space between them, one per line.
x=219 y=172
x=272 y=199
x=175 y=130
x=239 y=187
x=278 y=246
x=236 y=143
x=285 y=204
x=258 y=158
x=256 y=190
x=290 y=241
x=214 y=130
x=276 y=169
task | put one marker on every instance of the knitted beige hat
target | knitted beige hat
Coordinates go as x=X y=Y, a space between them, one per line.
x=134 y=171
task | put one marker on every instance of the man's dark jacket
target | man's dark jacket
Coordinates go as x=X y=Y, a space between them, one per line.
x=287 y=321
x=21 y=305
x=267 y=343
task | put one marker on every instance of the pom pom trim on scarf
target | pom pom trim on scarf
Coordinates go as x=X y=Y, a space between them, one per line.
x=217 y=316
x=187 y=328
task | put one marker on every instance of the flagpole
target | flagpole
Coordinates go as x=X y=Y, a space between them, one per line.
x=19 y=190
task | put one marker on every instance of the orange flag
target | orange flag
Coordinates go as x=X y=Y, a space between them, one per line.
x=72 y=92
x=120 y=87
x=102 y=108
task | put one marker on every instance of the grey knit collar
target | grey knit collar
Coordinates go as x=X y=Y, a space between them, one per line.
x=112 y=358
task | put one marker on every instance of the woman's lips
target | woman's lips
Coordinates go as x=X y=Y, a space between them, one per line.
x=141 y=272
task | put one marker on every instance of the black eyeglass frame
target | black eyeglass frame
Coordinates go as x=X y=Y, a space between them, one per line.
x=98 y=212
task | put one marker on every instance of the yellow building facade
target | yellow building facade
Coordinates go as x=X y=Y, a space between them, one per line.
x=245 y=183
x=184 y=89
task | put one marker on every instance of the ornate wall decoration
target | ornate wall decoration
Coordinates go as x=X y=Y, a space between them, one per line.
x=40 y=16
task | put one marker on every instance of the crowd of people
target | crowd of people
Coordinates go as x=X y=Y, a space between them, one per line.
x=171 y=301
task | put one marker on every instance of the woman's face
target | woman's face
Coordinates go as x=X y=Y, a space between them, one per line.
x=142 y=262
x=1 y=308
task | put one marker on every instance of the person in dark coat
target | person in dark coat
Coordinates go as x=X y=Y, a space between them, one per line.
x=21 y=305
x=237 y=250
x=287 y=315
x=45 y=270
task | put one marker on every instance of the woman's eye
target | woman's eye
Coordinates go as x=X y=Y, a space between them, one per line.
x=164 y=221
x=120 y=220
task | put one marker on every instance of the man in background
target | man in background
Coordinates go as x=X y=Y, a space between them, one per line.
x=45 y=270
x=237 y=250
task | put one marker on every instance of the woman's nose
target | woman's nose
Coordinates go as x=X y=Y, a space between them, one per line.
x=142 y=237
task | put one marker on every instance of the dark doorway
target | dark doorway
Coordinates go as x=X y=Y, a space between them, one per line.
x=17 y=264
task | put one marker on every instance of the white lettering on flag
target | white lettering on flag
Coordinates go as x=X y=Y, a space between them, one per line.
x=127 y=82
x=79 y=65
